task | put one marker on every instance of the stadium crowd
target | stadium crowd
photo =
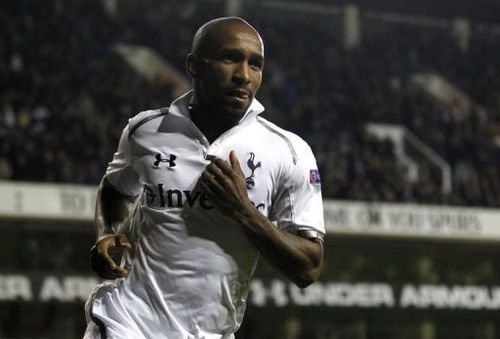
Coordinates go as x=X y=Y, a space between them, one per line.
x=65 y=95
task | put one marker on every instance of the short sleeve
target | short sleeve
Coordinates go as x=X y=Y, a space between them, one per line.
x=299 y=204
x=120 y=172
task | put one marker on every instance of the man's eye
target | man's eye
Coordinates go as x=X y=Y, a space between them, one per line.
x=256 y=65
x=229 y=58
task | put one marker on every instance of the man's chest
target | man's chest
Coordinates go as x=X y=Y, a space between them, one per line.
x=170 y=166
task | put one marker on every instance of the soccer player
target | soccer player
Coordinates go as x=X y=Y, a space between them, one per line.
x=195 y=194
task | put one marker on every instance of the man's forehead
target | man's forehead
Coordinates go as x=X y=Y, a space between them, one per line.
x=235 y=32
x=238 y=38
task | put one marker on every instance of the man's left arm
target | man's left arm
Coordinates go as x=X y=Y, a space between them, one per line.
x=300 y=259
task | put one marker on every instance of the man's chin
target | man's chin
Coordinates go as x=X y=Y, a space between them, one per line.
x=234 y=111
x=233 y=115
x=237 y=104
x=228 y=112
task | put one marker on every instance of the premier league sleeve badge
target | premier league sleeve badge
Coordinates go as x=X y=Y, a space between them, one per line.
x=314 y=177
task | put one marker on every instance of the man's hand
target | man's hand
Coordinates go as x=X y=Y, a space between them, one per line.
x=225 y=185
x=298 y=258
x=100 y=255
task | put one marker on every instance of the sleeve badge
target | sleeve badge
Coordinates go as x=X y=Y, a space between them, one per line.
x=314 y=177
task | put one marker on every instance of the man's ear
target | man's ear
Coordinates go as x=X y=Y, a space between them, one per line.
x=192 y=65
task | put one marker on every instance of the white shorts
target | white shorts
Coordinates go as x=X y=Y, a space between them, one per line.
x=96 y=329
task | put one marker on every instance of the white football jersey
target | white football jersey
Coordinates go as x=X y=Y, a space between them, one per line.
x=191 y=267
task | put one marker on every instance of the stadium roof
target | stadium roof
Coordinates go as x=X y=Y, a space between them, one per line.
x=484 y=11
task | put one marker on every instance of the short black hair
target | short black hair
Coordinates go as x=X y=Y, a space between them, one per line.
x=202 y=38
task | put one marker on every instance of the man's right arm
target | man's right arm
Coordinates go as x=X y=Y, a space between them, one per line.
x=112 y=208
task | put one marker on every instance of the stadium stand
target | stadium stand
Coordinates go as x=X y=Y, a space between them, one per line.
x=65 y=96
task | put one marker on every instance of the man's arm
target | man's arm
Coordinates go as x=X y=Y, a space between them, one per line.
x=298 y=258
x=112 y=208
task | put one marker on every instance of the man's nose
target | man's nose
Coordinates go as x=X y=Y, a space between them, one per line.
x=242 y=72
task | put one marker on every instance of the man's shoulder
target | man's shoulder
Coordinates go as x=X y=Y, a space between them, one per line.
x=144 y=117
x=281 y=132
x=294 y=142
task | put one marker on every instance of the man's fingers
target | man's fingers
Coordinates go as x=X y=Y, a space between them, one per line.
x=235 y=164
x=103 y=272
x=101 y=260
x=214 y=170
x=111 y=244
x=123 y=242
x=112 y=269
x=120 y=271
x=223 y=166
x=99 y=265
x=219 y=205
x=107 y=269
x=104 y=260
x=219 y=167
x=211 y=185
x=110 y=263
x=109 y=275
x=216 y=177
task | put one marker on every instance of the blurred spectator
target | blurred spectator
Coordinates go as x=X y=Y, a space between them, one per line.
x=64 y=95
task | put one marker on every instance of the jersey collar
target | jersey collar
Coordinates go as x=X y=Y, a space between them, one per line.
x=180 y=106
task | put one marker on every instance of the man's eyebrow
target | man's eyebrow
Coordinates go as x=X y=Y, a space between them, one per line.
x=237 y=50
x=230 y=49
x=259 y=58
x=257 y=55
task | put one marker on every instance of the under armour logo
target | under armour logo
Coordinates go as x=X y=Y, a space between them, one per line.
x=252 y=166
x=170 y=160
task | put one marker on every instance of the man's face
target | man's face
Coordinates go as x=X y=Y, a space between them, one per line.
x=230 y=71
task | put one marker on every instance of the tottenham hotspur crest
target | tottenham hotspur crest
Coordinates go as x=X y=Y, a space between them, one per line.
x=252 y=166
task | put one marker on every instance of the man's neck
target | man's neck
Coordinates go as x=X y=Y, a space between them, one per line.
x=208 y=124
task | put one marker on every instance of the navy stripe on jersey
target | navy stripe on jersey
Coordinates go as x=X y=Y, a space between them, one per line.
x=288 y=142
x=102 y=327
x=163 y=111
